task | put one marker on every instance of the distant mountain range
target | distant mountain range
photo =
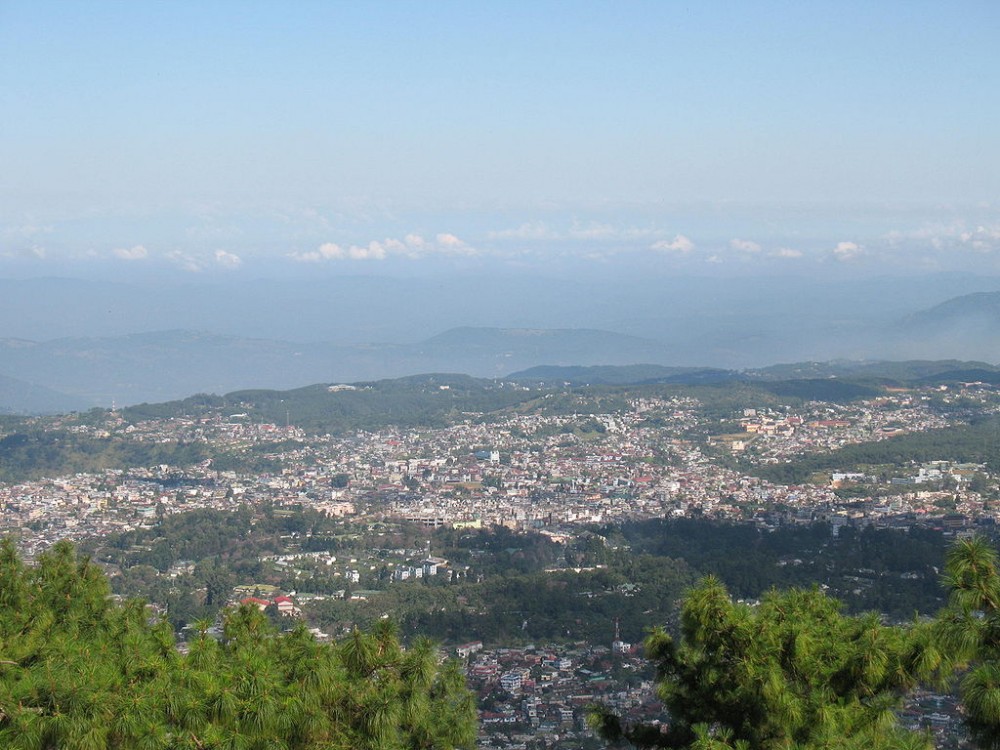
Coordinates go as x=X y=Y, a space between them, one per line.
x=167 y=365
x=19 y=397
x=981 y=309
x=80 y=371
x=966 y=327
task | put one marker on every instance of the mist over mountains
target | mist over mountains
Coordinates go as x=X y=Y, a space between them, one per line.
x=73 y=343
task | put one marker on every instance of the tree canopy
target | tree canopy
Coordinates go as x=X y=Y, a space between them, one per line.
x=79 y=671
x=970 y=629
x=790 y=672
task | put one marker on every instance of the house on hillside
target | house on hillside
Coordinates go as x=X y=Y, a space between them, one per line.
x=261 y=604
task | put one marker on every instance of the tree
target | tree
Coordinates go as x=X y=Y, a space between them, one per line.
x=970 y=630
x=493 y=480
x=791 y=672
x=80 y=672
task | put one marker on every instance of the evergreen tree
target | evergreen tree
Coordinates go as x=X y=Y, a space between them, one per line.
x=970 y=631
x=791 y=672
x=79 y=672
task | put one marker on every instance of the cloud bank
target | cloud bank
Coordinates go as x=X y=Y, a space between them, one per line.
x=137 y=252
x=679 y=244
x=412 y=247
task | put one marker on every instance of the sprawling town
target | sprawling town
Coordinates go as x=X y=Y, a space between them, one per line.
x=659 y=456
x=548 y=473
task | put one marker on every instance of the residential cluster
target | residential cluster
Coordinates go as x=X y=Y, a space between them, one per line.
x=552 y=473
x=541 y=694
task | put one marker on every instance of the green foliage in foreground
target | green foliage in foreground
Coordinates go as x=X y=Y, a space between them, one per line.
x=795 y=673
x=970 y=627
x=79 y=672
x=792 y=672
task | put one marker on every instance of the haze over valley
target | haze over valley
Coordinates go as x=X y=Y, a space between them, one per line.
x=76 y=343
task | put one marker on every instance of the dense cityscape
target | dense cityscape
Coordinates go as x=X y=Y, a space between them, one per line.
x=555 y=475
x=550 y=473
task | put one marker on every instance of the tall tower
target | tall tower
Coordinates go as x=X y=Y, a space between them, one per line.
x=618 y=646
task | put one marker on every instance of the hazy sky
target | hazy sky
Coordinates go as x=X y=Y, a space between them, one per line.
x=258 y=138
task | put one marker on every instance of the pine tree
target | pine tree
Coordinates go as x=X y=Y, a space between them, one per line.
x=969 y=629
x=791 y=672
x=78 y=672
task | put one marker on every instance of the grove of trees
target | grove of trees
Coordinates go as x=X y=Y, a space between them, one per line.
x=79 y=671
x=795 y=673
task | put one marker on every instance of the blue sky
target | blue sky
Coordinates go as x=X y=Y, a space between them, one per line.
x=336 y=137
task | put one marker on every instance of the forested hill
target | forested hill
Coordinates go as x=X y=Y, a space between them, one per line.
x=441 y=400
x=418 y=401
x=435 y=400
x=624 y=375
x=906 y=372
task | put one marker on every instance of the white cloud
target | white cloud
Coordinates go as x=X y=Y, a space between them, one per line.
x=326 y=251
x=412 y=246
x=679 y=244
x=744 y=246
x=846 y=251
x=331 y=250
x=449 y=244
x=184 y=261
x=956 y=235
x=227 y=259
x=372 y=251
x=786 y=252
x=937 y=235
x=982 y=239
x=136 y=252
